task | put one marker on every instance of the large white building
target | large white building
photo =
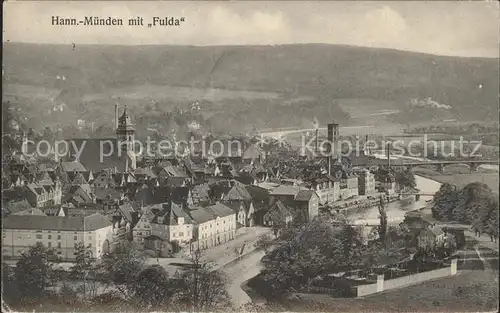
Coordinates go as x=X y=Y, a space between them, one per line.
x=62 y=234
x=171 y=224
x=214 y=225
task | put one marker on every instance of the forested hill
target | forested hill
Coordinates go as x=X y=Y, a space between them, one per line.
x=303 y=71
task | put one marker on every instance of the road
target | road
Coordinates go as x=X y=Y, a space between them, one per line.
x=238 y=273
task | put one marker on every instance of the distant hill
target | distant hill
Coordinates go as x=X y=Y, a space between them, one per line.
x=281 y=85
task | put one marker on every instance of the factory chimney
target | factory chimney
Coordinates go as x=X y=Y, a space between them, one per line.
x=336 y=145
x=365 y=150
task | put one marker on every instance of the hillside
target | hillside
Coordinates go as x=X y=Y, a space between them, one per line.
x=241 y=86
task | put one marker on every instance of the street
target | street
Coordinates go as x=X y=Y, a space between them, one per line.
x=239 y=272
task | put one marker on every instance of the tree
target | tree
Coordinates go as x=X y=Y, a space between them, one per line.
x=405 y=179
x=203 y=288
x=445 y=201
x=85 y=269
x=122 y=268
x=351 y=242
x=306 y=252
x=153 y=287
x=33 y=272
x=10 y=292
x=382 y=227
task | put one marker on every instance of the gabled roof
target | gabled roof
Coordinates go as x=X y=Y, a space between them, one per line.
x=201 y=215
x=220 y=210
x=238 y=192
x=235 y=206
x=175 y=171
x=43 y=178
x=304 y=195
x=286 y=190
x=108 y=194
x=73 y=166
x=39 y=222
x=144 y=172
x=127 y=211
x=257 y=193
x=200 y=193
x=278 y=212
x=32 y=211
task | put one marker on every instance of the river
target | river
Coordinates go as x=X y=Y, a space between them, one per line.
x=397 y=210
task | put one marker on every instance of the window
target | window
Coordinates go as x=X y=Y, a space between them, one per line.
x=90 y=237
x=49 y=244
x=49 y=237
x=173 y=235
x=58 y=237
x=181 y=234
x=38 y=231
x=59 y=245
x=75 y=237
x=39 y=236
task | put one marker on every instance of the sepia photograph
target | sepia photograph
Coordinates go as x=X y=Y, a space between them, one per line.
x=250 y=156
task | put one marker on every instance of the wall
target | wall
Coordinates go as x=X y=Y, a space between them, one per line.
x=383 y=285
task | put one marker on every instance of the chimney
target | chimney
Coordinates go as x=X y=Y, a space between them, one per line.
x=116 y=116
x=336 y=135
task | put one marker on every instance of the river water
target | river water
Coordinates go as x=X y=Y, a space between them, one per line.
x=397 y=210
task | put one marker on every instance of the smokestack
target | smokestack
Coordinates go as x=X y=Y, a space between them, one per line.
x=336 y=147
x=116 y=115
x=366 y=152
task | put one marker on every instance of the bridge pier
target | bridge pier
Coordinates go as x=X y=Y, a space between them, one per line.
x=474 y=167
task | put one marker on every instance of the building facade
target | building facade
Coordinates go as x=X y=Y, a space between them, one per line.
x=62 y=234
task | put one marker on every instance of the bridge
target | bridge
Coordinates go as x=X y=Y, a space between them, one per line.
x=440 y=165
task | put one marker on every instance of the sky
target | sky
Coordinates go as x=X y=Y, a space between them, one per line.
x=469 y=29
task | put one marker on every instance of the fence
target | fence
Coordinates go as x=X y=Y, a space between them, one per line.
x=383 y=285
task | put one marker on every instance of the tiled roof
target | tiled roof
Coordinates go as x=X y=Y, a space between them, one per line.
x=175 y=171
x=201 y=215
x=278 y=212
x=286 y=190
x=235 y=206
x=107 y=194
x=73 y=166
x=200 y=193
x=220 y=210
x=257 y=193
x=39 y=222
x=238 y=192
x=33 y=211
x=90 y=156
x=304 y=195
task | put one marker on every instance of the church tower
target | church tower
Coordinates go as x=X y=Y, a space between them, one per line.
x=125 y=133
